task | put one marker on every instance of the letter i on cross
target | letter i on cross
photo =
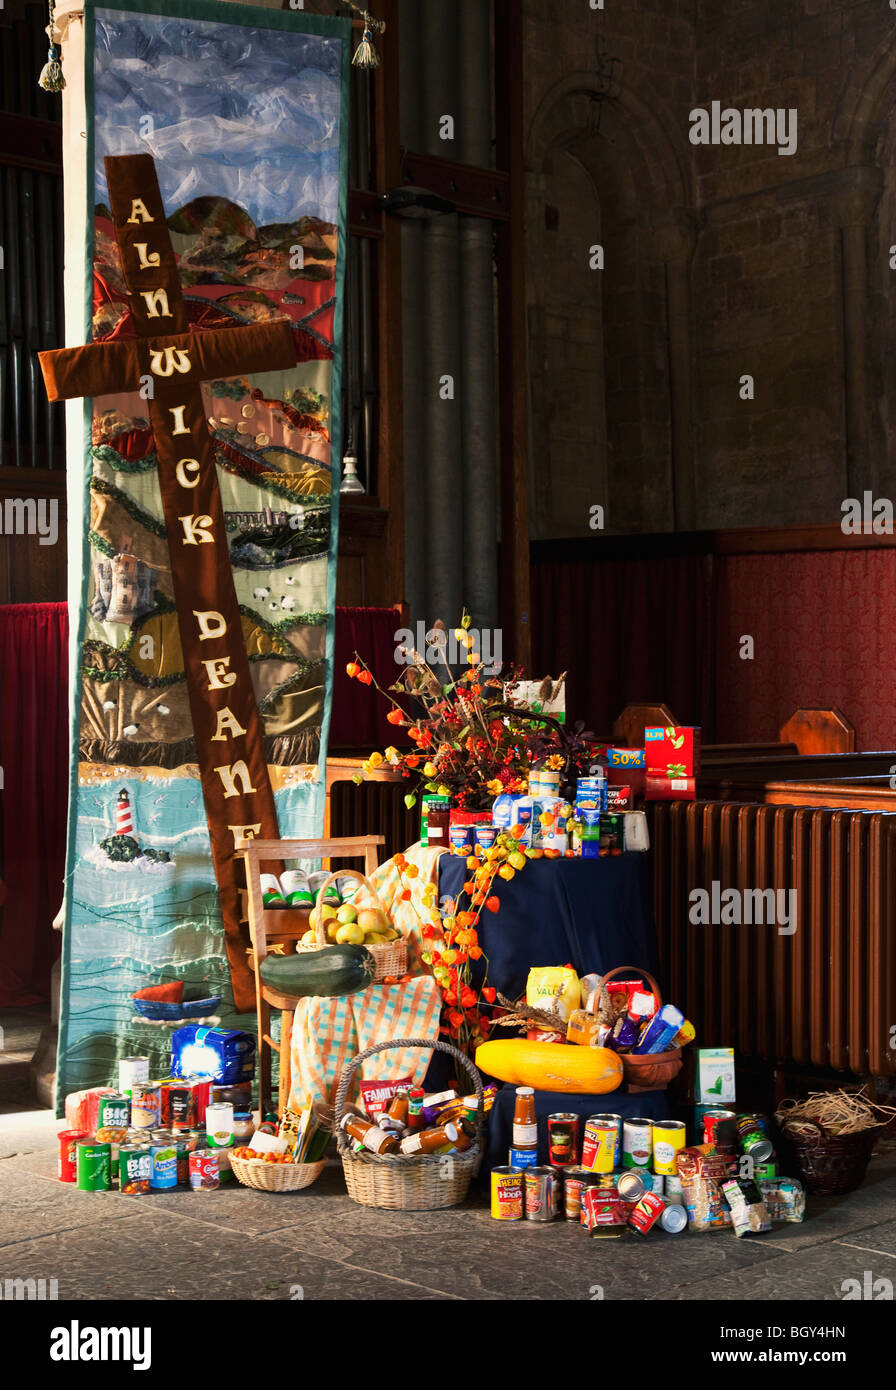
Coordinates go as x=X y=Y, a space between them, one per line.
x=229 y=743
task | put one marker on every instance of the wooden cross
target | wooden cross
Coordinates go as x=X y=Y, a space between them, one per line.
x=236 y=788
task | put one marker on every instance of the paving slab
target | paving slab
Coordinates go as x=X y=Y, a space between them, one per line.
x=33 y=1206
x=793 y=1276
x=147 y=1258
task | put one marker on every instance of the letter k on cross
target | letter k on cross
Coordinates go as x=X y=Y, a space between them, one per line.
x=237 y=792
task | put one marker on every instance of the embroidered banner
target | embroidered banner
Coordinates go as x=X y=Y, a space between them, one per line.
x=216 y=200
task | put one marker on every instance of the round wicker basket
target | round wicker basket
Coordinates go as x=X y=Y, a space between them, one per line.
x=390 y=958
x=647 y=1071
x=827 y=1164
x=275 y=1177
x=408 y=1182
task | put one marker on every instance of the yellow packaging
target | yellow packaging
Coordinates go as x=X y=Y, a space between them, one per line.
x=582 y=1027
x=668 y=1139
x=543 y=983
x=686 y=1034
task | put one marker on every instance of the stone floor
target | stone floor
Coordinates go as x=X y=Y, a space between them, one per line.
x=239 y=1244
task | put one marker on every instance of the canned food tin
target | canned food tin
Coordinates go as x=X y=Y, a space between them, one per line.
x=764 y=1171
x=131 y=1069
x=668 y=1138
x=135 y=1167
x=563 y=1139
x=485 y=836
x=599 y=1143
x=601 y=1206
x=182 y=1143
x=163 y=1171
x=461 y=836
x=204 y=1175
x=637 y=1142
x=508 y=1194
x=69 y=1139
x=720 y=1128
x=541 y=1189
x=146 y=1105
x=752 y=1141
x=590 y=1180
x=573 y=1187
x=674 y=1218
x=647 y=1213
x=112 y=1119
x=673 y=1191
x=94 y=1167
x=655 y=1183
x=182 y=1107
x=632 y=1186
x=522 y=1158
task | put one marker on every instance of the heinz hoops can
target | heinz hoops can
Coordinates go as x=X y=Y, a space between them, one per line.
x=508 y=1194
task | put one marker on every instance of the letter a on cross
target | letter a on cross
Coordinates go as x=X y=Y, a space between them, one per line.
x=177 y=360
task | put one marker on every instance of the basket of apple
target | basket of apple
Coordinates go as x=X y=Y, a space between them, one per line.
x=357 y=925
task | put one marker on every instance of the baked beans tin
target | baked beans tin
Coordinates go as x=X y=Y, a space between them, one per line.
x=204 y=1174
x=563 y=1139
x=135 y=1167
x=599 y=1143
x=542 y=1187
x=647 y=1213
x=637 y=1142
x=668 y=1138
x=69 y=1139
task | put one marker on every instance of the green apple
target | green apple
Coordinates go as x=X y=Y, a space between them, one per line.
x=347 y=913
x=350 y=934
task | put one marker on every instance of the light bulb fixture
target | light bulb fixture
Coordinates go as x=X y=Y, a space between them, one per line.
x=350 y=480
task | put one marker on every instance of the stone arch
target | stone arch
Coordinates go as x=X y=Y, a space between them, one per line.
x=862 y=108
x=608 y=377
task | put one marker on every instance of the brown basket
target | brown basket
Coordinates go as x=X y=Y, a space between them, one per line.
x=275 y=1177
x=390 y=957
x=827 y=1164
x=648 y=1071
x=408 y=1182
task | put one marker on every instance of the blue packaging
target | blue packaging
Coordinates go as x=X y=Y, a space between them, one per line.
x=502 y=808
x=660 y=1031
x=523 y=1158
x=226 y=1055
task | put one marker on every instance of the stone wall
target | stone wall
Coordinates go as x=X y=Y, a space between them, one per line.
x=723 y=261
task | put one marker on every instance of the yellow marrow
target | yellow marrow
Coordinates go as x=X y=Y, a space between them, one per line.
x=551 y=1066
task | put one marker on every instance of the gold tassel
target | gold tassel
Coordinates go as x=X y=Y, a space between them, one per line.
x=366 y=55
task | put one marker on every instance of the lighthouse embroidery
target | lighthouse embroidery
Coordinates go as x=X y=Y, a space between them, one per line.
x=124 y=822
x=123 y=850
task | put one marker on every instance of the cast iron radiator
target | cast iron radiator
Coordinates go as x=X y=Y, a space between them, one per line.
x=374 y=808
x=824 y=996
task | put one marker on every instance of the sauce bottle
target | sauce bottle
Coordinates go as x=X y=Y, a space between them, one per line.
x=370 y=1135
x=441 y=1138
x=525 y=1126
x=415 y=1108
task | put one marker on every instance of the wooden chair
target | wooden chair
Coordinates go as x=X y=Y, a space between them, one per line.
x=281 y=926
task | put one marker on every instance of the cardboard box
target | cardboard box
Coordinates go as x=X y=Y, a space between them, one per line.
x=672 y=751
x=714 y=1083
x=670 y=788
x=626 y=757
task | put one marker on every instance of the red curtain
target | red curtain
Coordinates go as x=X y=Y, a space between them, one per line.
x=823 y=625
x=34 y=756
x=625 y=630
x=359 y=713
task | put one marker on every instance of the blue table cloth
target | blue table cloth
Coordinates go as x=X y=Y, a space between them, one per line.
x=593 y=914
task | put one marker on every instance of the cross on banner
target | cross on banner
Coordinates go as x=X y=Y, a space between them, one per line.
x=239 y=801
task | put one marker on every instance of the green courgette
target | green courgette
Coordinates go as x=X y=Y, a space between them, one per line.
x=329 y=972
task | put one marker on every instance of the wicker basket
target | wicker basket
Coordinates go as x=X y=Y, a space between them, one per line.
x=827 y=1164
x=647 y=1071
x=275 y=1177
x=390 y=957
x=408 y=1182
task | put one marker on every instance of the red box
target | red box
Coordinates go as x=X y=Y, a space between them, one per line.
x=627 y=777
x=673 y=751
x=670 y=788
